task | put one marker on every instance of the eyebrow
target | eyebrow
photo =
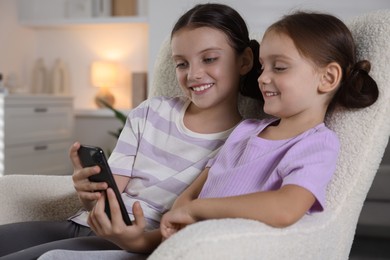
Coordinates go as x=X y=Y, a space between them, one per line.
x=201 y=52
x=276 y=56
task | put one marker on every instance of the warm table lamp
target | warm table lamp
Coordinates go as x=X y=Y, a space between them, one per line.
x=104 y=74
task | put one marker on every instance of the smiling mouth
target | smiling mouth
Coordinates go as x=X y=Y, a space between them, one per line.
x=271 y=94
x=202 y=88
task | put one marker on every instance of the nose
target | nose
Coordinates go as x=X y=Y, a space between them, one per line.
x=263 y=79
x=195 y=72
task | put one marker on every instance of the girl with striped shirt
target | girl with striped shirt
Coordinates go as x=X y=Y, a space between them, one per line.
x=164 y=145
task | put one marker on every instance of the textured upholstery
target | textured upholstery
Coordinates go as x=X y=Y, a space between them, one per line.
x=328 y=235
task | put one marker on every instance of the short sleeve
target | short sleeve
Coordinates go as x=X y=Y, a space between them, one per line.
x=122 y=157
x=311 y=163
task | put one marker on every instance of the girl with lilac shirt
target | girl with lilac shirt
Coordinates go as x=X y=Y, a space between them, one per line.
x=306 y=160
x=276 y=170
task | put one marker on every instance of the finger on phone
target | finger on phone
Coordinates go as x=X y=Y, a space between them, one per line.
x=99 y=214
x=94 y=221
x=139 y=218
x=73 y=154
x=94 y=185
x=116 y=216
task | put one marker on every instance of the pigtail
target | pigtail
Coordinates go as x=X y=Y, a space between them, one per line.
x=359 y=89
x=249 y=86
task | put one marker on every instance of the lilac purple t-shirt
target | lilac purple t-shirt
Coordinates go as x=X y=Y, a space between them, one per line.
x=247 y=163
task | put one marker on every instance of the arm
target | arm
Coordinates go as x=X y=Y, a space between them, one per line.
x=278 y=208
x=127 y=237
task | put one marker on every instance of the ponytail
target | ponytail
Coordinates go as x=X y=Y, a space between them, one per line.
x=249 y=85
x=358 y=89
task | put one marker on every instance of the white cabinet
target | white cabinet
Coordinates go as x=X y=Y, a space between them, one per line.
x=64 y=13
x=36 y=133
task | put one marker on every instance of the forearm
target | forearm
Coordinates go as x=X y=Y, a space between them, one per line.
x=230 y=207
x=182 y=201
x=276 y=208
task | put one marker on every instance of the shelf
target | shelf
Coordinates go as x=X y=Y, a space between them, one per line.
x=102 y=112
x=72 y=22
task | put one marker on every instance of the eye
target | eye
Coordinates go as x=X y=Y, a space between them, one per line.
x=209 y=60
x=280 y=69
x=280 y=66
x=181 y=65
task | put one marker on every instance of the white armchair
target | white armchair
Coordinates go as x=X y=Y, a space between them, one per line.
x=328 y=235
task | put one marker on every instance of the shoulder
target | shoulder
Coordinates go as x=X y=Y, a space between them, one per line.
x=162 y=104
x=318 y=140
x=163 y=100
x=325 y=136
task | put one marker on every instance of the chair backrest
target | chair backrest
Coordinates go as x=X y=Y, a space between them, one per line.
x=363 y=133
x=164 y=81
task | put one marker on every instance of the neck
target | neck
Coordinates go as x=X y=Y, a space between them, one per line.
x=213 y=120
x=287 y=128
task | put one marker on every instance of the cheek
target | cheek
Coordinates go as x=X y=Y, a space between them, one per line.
x=227 y=74
x=182 y=80
x=283 y=83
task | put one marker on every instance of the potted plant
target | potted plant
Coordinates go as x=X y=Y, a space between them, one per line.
x=118 y=114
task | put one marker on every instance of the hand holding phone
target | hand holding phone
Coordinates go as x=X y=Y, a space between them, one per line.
x=91 y=156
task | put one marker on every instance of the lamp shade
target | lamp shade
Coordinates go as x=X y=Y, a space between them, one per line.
x=104 y=74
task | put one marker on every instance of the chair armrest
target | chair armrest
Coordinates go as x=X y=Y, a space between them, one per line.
x=249 y=239
x=36 y=197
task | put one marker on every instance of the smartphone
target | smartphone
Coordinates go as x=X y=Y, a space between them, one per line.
x=93 y=155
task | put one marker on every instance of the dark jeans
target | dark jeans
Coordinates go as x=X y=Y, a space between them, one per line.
x=29 y=240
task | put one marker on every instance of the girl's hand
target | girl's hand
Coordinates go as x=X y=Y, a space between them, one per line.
x=127 y=237
x=87 y=191
x=176 y=219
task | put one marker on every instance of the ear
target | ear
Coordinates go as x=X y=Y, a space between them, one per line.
x=330 y=78
x=246 y=61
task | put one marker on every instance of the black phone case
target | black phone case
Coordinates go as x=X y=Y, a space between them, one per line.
x=91 y=156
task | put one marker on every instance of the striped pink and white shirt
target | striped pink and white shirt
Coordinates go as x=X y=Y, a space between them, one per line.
x=160 y=155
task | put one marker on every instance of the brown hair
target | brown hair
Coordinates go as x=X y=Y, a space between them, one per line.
x=324 y=38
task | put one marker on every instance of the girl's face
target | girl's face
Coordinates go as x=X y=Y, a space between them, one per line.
x=289 y=82
x=207 y=67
